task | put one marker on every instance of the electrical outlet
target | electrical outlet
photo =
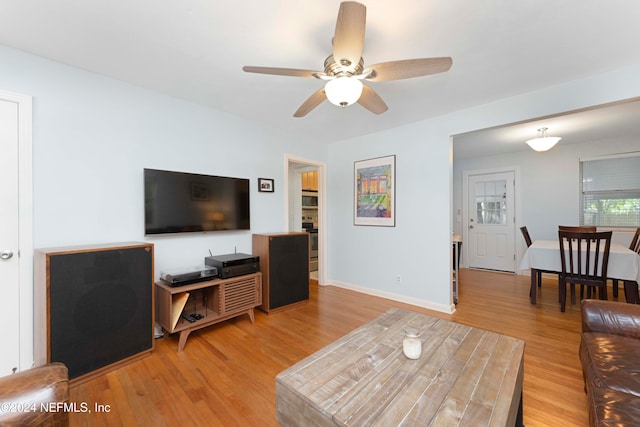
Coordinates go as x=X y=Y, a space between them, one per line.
x=398 y=278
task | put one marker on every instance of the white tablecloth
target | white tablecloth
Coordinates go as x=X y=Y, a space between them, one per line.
x=624 y=264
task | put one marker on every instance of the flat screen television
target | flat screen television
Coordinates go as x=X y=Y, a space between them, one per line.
x=178 y=202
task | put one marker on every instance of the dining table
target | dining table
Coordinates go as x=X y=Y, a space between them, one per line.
x=624 y=265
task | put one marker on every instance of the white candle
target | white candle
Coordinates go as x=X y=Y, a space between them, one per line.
x=411 y=344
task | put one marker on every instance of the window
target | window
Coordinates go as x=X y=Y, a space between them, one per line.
x=491 y=205
x=610 y=191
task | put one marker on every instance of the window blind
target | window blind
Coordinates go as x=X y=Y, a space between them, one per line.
x=610 y=191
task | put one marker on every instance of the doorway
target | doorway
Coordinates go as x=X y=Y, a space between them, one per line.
x=489 y=218
x=16 y=231
x=308 y=213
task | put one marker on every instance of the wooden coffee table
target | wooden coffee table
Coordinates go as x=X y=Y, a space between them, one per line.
x=465 y=376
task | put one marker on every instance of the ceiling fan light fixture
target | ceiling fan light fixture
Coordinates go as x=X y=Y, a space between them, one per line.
x=343 y=91
x=344 y=68
x=543 y=142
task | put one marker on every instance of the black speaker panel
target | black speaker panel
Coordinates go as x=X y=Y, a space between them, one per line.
x=284 y=264
x=100 y=306
x=288 y=269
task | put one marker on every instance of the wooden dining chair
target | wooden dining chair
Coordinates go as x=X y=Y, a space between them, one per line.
x=578 y=228
x=581 y=229
x=584 y=263
x=528 y=241
x=634 y=246
x=635 y=242
x=525 y=234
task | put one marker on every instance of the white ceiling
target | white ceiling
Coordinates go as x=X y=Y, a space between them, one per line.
x=617 y=120
x=195 y=50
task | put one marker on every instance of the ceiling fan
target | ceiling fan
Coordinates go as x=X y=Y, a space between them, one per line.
x=344 y=70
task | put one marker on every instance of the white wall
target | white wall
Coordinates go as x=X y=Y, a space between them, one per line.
x=419 y=248
x=549 y=183
x=92 y=137
x=372 y=257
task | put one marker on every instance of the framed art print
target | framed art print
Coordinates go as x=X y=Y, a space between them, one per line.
x=265 y=185
x=374 y=192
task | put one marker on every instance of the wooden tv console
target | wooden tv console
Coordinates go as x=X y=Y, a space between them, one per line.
x=215 y=300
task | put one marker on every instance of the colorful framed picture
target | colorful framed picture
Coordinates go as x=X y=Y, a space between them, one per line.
x=374 y=192
x=265 y=185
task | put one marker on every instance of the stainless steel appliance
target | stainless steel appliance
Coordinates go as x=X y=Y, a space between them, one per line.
x=309 y=199
x=313 y=243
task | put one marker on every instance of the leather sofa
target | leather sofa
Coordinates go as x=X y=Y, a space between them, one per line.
x=610 y=357
x=35 y=397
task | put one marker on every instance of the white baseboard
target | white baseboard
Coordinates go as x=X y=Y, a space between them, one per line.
x=447 y=309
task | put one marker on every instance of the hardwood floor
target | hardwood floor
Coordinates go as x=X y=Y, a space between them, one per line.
x=226 y=374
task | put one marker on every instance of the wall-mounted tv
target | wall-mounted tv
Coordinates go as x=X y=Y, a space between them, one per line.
x=178 y=202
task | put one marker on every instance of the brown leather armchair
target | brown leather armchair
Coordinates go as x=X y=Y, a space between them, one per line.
x=610 y=356
x=35 y=397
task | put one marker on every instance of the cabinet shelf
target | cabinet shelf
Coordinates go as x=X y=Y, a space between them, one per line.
x=215 y=300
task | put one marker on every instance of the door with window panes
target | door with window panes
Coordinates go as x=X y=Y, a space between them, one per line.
x=491 y=224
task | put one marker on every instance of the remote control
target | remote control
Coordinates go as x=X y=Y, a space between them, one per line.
x=189 y=318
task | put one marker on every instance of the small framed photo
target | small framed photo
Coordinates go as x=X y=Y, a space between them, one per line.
x=265 y=185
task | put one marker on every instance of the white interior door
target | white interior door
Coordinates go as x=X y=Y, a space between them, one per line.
x=9 y=239
x=491 y=221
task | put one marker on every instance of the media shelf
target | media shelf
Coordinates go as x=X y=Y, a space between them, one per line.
x=213 y=301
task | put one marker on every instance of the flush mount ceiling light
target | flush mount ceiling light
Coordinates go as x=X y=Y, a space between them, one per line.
x=543 y=142
x=343 y=91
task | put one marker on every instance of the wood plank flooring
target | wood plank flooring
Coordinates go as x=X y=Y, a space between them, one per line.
x=226 y=374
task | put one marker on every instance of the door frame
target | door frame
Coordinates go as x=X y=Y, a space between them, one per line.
x=25 y=224
x=289 y=161
x=465 y=209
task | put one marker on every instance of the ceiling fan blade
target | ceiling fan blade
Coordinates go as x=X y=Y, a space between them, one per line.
x=281 y=71
x=372 y=101
x=312 y=102
x=348 y=39
x=405 y=69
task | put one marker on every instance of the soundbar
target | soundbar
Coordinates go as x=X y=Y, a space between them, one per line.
x=232 y=265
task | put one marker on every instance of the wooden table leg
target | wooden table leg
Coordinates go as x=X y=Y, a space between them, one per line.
x=182 y=340
x=519 y=418
x=534 y=285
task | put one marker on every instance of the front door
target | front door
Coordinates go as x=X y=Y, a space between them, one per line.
x=491 y=221
x=9 y=224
